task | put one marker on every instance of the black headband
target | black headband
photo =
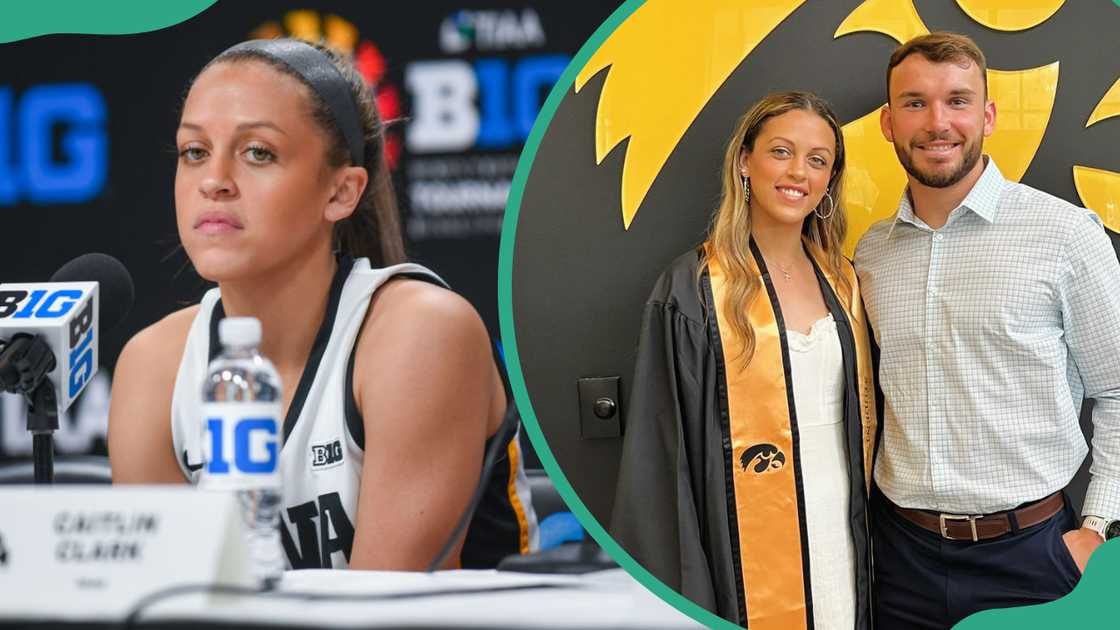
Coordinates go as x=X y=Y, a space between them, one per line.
x=320 y=73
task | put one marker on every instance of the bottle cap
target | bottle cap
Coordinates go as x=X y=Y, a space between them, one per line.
x=239 y=331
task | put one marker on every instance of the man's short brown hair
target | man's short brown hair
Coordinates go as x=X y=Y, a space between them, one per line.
x=941 y=47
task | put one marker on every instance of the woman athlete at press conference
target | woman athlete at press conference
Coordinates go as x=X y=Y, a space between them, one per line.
x=746 y=461
x=283 y=199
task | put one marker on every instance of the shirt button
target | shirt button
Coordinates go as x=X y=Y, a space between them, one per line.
x=932 y=292
x=939 y=236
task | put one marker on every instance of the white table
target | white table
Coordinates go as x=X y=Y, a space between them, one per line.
x=376 y=599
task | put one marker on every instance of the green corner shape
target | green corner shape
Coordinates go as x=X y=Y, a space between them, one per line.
x=1088 y=604
x=23 y=20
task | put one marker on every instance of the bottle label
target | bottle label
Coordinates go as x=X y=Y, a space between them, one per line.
x=240 y=445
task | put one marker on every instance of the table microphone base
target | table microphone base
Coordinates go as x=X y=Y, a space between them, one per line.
x=569 y=558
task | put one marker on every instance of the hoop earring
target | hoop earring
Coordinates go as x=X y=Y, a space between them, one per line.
x=831 y=209
x=746 y=191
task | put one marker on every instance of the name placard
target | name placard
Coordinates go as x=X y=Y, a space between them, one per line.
x=82 y=552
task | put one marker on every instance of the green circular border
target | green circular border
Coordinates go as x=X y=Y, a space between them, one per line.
x=509 y=338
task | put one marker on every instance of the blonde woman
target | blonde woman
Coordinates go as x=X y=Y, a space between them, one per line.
x=748 y=445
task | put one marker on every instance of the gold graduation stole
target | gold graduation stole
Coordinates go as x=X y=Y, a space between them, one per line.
x=764 y=465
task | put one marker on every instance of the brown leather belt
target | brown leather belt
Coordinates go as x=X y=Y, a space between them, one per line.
x=981 y=527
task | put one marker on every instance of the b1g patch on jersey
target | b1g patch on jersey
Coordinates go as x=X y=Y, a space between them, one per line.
x=326 y=455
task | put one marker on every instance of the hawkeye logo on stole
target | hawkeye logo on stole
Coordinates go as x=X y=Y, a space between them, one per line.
x=762 y=458
x=634 y=106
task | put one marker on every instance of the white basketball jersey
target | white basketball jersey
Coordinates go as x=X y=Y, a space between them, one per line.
x=323 y=436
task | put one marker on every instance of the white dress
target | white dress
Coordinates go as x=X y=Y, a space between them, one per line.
x=817 y=370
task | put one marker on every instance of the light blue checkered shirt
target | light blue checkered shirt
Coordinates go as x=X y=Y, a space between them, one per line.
x=991 y=330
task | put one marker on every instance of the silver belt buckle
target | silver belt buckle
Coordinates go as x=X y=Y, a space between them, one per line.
x=958 y=517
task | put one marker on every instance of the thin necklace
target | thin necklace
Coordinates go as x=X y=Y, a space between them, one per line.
x=785 y=271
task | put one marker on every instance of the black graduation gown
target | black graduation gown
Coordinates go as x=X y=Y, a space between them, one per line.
x=676 y=509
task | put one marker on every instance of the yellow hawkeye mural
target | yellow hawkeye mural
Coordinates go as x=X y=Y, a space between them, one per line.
x=722 y=33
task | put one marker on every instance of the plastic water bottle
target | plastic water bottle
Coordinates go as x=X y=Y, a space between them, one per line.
x=241 y=406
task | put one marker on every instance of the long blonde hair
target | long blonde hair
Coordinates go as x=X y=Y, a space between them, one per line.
x=730 y=232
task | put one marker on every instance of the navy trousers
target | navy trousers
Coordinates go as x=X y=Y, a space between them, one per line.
x=925 y=581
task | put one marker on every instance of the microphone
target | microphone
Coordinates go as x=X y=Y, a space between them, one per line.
x=52 y=331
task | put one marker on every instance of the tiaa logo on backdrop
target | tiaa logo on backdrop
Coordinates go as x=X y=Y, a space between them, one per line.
x=491 y=29
x=638 y=61
x=54 y=148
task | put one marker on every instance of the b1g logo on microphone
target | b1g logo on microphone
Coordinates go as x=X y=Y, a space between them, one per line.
x=240 y=443
x=81 y=349
x=31 y=309
x=38 y=304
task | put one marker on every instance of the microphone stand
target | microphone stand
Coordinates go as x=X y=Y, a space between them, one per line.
x=42 y=422
x=25 y=361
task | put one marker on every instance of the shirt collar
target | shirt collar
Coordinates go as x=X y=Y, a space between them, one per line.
x=982 y=200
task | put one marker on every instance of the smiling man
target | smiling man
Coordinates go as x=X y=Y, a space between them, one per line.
x=997 y=310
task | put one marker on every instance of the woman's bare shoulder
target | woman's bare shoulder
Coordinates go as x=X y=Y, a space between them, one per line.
x=416 y=331
x=421 y=305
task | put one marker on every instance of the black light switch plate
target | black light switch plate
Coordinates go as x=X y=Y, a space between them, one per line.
x=600 y=407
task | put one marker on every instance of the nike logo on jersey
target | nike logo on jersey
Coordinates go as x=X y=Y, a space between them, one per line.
x=189 y=466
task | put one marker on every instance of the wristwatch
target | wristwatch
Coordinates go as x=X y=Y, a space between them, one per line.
x=1108 y=529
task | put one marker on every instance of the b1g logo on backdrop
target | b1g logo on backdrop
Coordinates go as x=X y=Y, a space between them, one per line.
x=470 y=114
x=489 y=102
x=53 y=145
